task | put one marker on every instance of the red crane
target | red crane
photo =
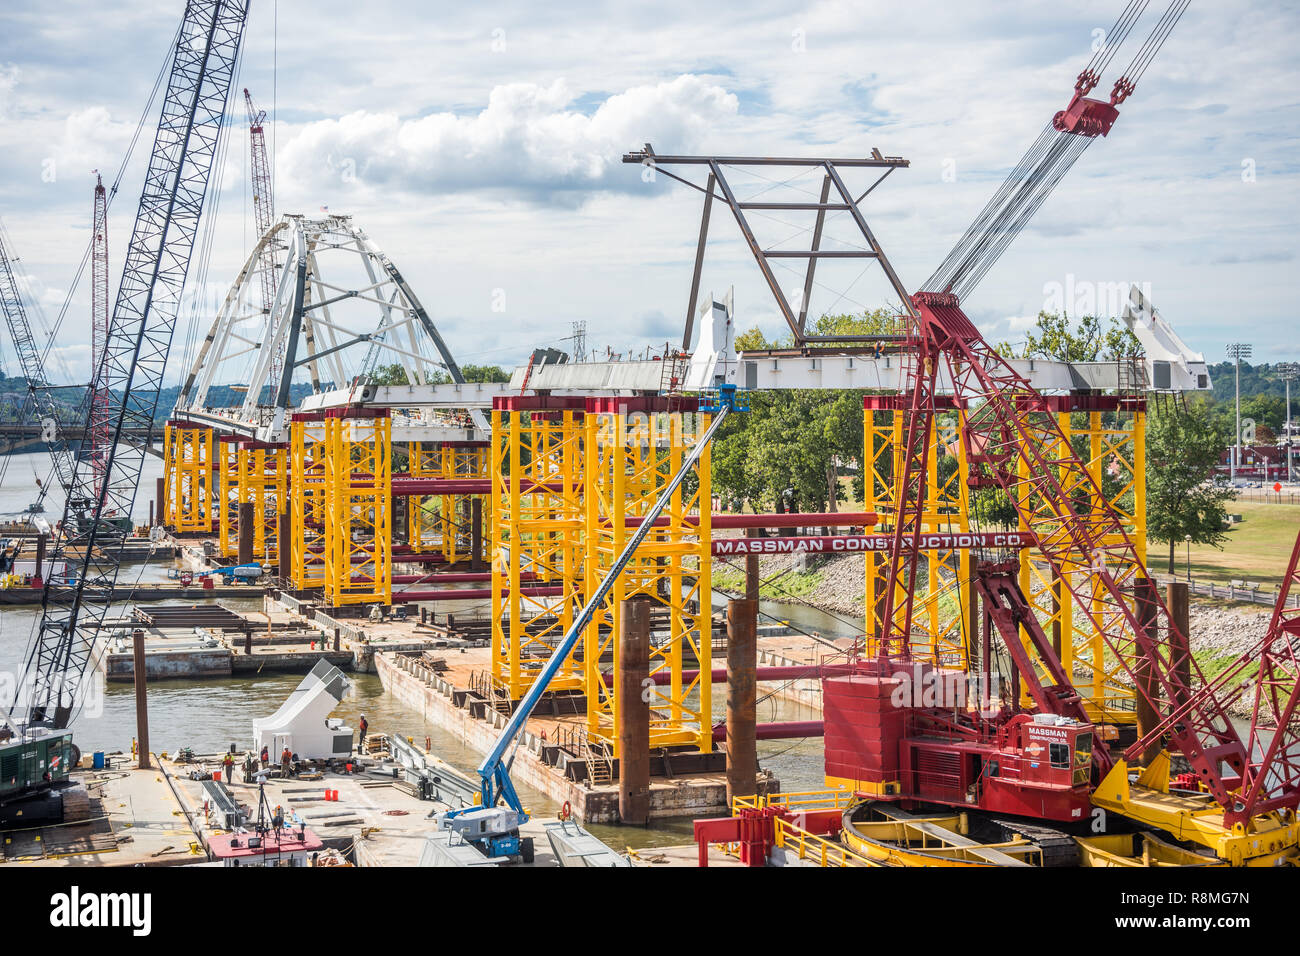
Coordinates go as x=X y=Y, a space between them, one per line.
x=101 y=432
x=1014 y=444
x=263 y=211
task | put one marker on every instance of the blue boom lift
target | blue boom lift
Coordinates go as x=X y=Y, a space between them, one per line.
x=493 y=829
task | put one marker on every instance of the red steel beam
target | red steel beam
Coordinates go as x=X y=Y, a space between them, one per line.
x=780 y=730
x=867 y=542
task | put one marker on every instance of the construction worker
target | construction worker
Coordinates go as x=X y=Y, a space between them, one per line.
x=228 y=768
x=363 y=726
x=266 y=756
x=285 y=759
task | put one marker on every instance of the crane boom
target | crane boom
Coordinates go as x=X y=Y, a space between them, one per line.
x=40 y=394
x=264 y=213
x=203 y=65
x=100 y=434
x=1058 y=147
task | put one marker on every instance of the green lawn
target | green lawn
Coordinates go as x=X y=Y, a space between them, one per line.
x=1255 y=550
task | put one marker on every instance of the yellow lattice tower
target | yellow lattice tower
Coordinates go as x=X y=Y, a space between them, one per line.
x=187 y=472
x=358 y=496
x=537 y=528
x=1109 y=434
x=263 y=482
x=423 y=524
x=462 y=460
x=633 y=448
x=943 y=611
x=307 y=518
x=228 y=495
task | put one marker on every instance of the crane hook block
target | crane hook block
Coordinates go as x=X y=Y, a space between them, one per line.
x=1086 y=117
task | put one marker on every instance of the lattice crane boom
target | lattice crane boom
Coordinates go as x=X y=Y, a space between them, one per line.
x=40 y=393
x=263 y=210
x=203 y=64
x=100 y=429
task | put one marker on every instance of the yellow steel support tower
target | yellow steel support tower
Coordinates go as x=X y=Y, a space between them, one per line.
x=1109 y=433
x=358 y=497
x=307 y=500
x=228 y=495
x=538 y=526
x=944 y=610
x=467 y=459
x=256 y=473
x=443 y=521
x=423 y=524
x=633 y=448
x=187 y=471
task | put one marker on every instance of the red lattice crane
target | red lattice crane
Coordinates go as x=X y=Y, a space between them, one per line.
x=263 y=209
x=101 y=431
x=1014 y=443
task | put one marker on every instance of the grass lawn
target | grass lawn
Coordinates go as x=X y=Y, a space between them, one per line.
x=1255 y=550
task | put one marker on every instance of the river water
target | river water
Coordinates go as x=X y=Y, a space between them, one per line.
x=208 y=716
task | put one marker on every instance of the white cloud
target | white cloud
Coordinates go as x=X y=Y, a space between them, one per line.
x=528 y=140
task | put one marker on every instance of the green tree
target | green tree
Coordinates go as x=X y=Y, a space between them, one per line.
x=1088 y=340
x=1183 y=446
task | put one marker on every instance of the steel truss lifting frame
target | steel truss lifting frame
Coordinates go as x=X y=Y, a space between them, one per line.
x=538 y=536
x=135 y=352
x=633 y=449
x=719 y=188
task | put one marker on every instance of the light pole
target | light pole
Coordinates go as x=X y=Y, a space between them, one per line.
x=1238 y=351
x=1289 y=372
x=1187 y=538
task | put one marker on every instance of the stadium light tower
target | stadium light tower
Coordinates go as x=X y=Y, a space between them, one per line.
x=1238 y=351
x=1289 y=371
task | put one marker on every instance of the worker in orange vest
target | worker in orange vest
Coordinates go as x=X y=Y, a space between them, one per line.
x=228 y=768
x=363 y=726
x=285 y=759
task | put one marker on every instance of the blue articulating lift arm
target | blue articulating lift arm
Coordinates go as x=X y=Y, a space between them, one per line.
x=495 y=768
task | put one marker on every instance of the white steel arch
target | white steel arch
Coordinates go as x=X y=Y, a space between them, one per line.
x=341 y=309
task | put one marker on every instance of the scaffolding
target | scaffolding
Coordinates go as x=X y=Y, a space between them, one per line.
x=1108 y=433
x=256 y=473
x=358 y=500
x=537 y=537
x=633 y=448
x=308 y=552
x=942 y=615
x=187 y=478
x=444 y=521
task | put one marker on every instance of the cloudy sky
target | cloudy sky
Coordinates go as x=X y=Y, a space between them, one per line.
x=479 y=145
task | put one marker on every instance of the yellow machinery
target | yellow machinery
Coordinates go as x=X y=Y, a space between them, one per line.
x=537 y=534
x=634 y=447
x=187 y=474
x=358 y=501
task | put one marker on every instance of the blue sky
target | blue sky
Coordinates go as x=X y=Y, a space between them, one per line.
x=479 y=145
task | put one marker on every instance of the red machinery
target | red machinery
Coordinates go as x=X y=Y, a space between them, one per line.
x=887 y=738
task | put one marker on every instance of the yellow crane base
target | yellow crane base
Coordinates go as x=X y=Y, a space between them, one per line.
x=1272 y=839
